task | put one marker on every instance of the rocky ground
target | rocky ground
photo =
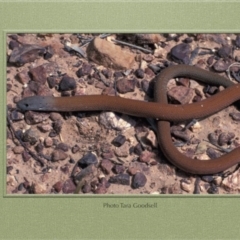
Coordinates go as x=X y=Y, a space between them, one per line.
x=106 y=152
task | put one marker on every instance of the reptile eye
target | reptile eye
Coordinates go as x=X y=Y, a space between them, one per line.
x=26 y=105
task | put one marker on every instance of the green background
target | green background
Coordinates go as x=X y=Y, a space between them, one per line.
x=75 y=217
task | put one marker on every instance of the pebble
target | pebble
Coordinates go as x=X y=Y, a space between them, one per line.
x=23 y=76
x=26 y=156
x=186 y=186
x=65 y=169
x=108 y=54
x=84 y=70
x=139 y=73
x=26 y=53
x=16 y=116
x=146 y=156
x=139 y=180
x=88 y=159
x=101 y=189
x=67 y=83
x=106 y=166
x=55 y=116
x=112 y=120
x=235 y=116
x=119 y=140
x=40 y=73
x=30 y=136
x=148 y=71
x=220 y=66
x=39 y=188
x=45 y=128
x=237 y=41
x=138 y=149
x=125 y=85
x=68 y=186
x=132 y=170
x=32 y=117
x=225 y=138
x=57 y=126
x=63 y=146
x=58 y=155
x=123 y=179
x=225 y=51
x=122 y=151
x=212 y=153
x=181 y=94
x=117 y=169
x=151 y=137
x=75 y=149
x=9 y=170
x=18 y=149
x=180 y=53
x=86 y=188
x=48 y=142
x=213 y=138
x=49 y=52
x=58 y=186
x=213 y=189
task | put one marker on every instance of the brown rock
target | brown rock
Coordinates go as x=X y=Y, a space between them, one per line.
x=58 y=155
x=108 y=54
x=106 y=166
x=181 y=94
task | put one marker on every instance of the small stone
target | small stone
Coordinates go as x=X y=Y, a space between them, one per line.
x=49 y=52
x=186 y=186
x=84 y=70
x=122 y=151
x=123 y=179
x=108 y=54
x=138 y=149
x=119 y=140
x=225 y=51
x=117 y=169
x=235 y=116
x=181 y=94
x=18 y=149
x=57 y=126
x=139 y=73
x=48 y=142
x=40 y=73
x=52 y=81
x=58 y=186
x=67 y=83
x=62 y=146
x=100 y=189
x=212 y=153
x=45 y=128
x=184 y=82
x=13 y=44
x=75 y=149
x=237 y=41
x=9 y=170
x=30 y=136
x=65 y=169
x=68 y=186
x=213 y=189
x=148 y=71
x=151 y=137
x=88 y=159
x=25 y=156
x=210 y=60
x=32 y=117
x=106 y=166
x=23 y=76
x=180 y=53
x=132 y=170
x=225 y=138
x=55 y=116
x=86 y=188
x=124 y=85
x=58 y=155
x=39 y=188
x=146 y=156
x=39 y=147
x=220 y=66
x=139 y=180
x=207 y=178
x=16 y=116
x=26 y=53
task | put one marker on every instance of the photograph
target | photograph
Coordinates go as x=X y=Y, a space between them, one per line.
x=123 y=113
